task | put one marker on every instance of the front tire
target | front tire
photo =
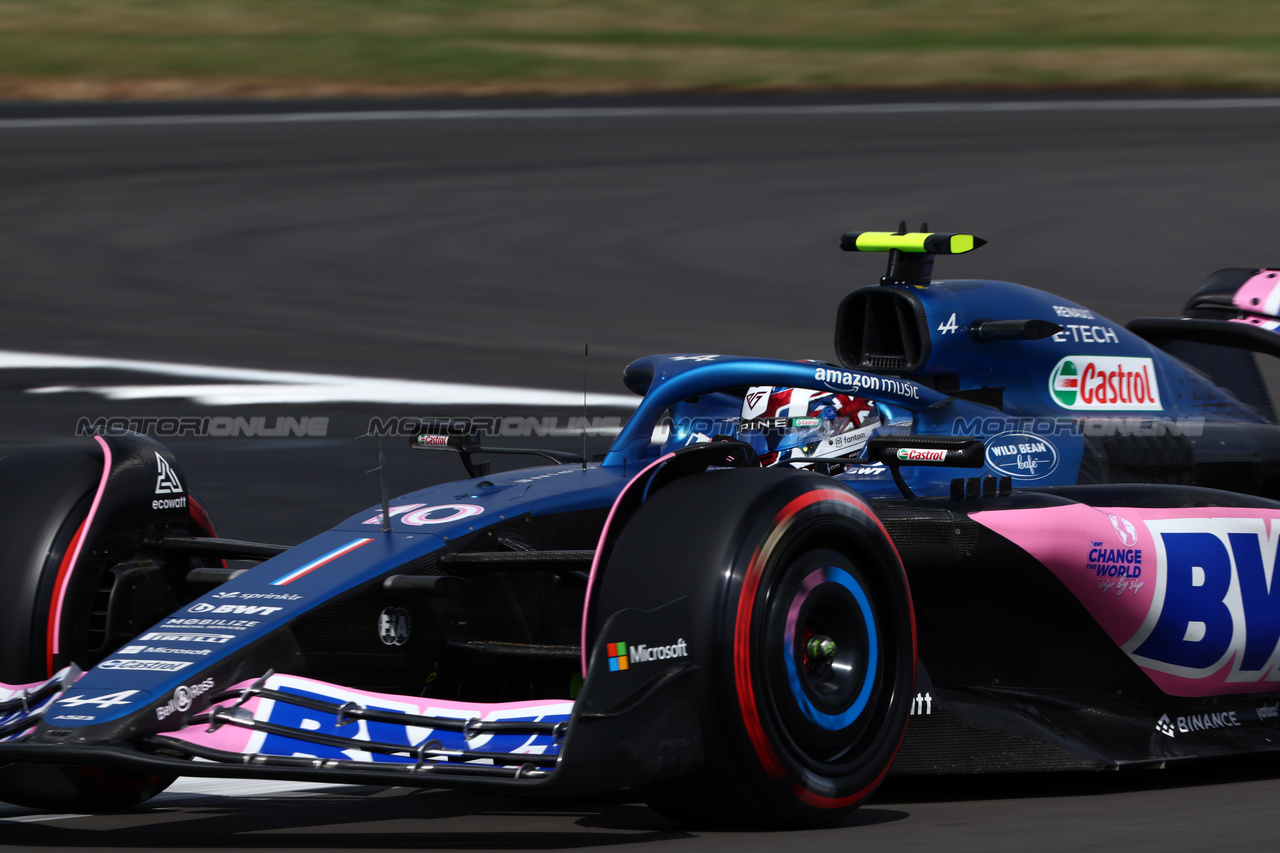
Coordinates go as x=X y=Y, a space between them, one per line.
x=44 y=509
x=805 y=641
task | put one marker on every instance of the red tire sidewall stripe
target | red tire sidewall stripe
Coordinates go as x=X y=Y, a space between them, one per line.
x=64 y=571
x=200 y=517
x=59 y=583
x=742 y=671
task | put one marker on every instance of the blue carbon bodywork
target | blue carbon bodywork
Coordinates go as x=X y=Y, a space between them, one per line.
x=1048 y=386
x=262 y=599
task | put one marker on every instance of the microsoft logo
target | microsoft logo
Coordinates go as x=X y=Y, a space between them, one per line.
x=622 y=656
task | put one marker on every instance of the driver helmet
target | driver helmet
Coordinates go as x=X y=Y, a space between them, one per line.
x=796 y=426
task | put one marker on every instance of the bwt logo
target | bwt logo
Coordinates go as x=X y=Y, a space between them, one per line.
x=252 y=609
x=1216 y=602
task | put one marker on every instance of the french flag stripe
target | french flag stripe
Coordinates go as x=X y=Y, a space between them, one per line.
x=320 y=561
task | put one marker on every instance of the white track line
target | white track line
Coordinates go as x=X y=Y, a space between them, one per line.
x=1083 y=105
x=240 y=386
x=195 y=786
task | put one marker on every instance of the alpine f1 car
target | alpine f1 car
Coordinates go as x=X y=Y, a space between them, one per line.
x=1002 y=534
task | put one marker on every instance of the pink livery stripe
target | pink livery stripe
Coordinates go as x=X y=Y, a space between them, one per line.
x=63 y=578
x=320 y=561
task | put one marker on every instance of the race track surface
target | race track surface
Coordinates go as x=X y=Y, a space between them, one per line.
x=423 y=247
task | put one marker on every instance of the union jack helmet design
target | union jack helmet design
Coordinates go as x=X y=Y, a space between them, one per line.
x=796 y=426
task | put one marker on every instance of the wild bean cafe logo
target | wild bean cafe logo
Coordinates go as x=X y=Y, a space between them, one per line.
x=1105 y=383
x=1021 y=455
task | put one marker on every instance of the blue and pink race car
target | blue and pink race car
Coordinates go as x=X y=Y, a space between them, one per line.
x=1002 y=533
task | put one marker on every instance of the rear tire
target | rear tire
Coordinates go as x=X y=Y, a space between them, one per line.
x=805 y=641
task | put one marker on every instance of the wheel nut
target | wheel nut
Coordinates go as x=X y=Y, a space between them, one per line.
x=820 y=648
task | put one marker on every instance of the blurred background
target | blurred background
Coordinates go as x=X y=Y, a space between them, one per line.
x=59 y=49
x=473 y=192
x=492 y=247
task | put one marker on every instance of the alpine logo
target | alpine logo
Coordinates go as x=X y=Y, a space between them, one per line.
x=108 y=700
x=1105 y=383
x=167 y=482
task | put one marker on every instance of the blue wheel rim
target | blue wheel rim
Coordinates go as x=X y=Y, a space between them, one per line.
x=841 y=720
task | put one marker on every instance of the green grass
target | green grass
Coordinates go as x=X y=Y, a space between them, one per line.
x=157 y=48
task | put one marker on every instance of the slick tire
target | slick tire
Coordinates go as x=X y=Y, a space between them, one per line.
x=804 y=639
x=43 y=506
